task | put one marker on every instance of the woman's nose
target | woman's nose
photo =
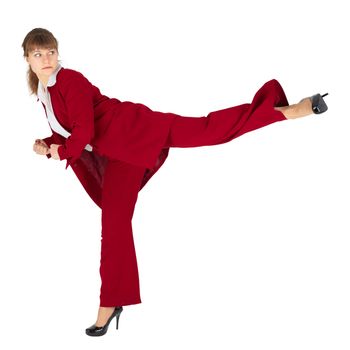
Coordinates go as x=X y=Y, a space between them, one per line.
x=46 y=58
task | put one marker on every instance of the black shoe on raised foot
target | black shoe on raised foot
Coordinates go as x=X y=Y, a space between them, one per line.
x=95 y=331
x=318 y=104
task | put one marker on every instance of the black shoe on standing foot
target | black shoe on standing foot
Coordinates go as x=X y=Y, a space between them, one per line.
x=95 y=331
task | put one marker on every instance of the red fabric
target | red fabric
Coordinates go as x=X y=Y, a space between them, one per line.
x=119 y=130
x=114 y=183
x=118 y=265
x=226 y=124
x=118 y=269
x=133 y=133
x=90 y=167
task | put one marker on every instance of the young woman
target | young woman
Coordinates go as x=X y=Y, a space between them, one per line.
x=115 y=147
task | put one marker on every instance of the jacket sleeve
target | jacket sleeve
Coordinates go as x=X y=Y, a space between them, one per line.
x=49 y=140
x=77 y=94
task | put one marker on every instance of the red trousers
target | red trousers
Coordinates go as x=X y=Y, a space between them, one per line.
x=121 y=184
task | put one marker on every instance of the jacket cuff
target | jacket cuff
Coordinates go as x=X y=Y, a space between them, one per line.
x=48 y=140
x=61 y=150
x=62 y=153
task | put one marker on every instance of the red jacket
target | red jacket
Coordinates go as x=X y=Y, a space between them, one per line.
x=127 y=131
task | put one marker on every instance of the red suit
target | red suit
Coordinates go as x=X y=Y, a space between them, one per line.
x=130 y=142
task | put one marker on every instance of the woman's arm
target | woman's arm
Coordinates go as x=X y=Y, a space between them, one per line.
x=77 y=94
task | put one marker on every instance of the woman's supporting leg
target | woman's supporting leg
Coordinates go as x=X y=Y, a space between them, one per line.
x=224 y=125
x=118 y=269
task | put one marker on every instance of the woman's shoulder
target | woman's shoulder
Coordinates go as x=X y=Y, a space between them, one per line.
x=72 y=80
x=68 y=74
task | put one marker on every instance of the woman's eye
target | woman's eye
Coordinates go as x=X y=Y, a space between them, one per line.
x=38 y=54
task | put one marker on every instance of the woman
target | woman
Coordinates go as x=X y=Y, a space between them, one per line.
x=115 y=147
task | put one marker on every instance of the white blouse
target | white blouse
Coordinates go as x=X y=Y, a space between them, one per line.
x=44 y=97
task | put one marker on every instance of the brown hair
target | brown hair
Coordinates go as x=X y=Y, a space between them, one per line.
x=37 y=38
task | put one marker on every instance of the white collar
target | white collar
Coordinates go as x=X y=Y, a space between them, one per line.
x=50 y=82
x=52 y=78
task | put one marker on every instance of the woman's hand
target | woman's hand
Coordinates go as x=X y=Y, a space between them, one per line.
x=53 y=150
x=40 y=147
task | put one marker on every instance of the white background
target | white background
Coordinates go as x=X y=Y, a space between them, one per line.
x=243 y=245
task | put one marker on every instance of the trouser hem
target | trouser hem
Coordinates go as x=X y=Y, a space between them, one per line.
x=111 y=303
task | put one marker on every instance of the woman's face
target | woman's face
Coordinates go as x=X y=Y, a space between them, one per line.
x=43 y=61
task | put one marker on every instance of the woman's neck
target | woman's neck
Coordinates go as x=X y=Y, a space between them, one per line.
x=44 y=81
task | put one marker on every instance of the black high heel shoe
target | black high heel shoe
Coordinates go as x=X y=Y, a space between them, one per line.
x=318 y=104
x=95 y=331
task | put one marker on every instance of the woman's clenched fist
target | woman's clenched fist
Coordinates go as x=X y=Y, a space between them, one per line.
x=40 y=147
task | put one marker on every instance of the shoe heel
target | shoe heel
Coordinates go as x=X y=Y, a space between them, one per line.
x=117 y=321
x=117 y=317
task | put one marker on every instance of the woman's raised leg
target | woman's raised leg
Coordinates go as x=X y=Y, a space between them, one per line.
x=269 y=105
